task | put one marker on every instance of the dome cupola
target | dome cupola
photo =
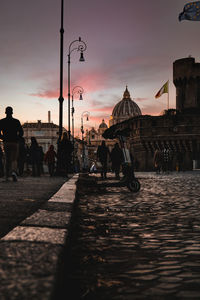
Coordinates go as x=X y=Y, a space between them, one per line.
x=125 y=109
x=103 y=125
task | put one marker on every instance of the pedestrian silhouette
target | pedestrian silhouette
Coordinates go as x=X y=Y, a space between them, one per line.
x=35 y=158
x=49 y=159
x=64 y=155
x=10 y=131
x=116 y=159
x=158 y=160
x=41 y=160
x=1 y=163
x=103 y=155
x=22 y=156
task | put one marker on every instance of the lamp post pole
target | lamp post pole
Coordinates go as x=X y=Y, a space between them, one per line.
x=76 y=90
x=78 y=45
x=61 y=99
x=85 y=113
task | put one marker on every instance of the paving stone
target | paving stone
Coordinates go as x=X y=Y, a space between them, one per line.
x=43 y=218
x=39 y=234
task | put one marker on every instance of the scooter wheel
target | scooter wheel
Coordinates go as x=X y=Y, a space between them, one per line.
x=134 y=185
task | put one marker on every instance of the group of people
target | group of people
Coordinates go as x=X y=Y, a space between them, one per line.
x=115 y=156
x=15 y=154
x=163 y=160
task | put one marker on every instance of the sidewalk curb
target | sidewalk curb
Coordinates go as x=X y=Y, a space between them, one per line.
x=31 y=250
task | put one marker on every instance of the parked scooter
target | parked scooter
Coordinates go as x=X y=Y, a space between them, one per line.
x=129 y=180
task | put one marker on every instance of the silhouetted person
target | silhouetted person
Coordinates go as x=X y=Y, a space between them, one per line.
x=158 y=161
x=76 y=165
x=21 y=156
x=103 y=154
x=49 y=159
x=28 y=159
x=64 y=155
x=1 y=163
x=166 y=153
x=41 y=160
x=117 y=158
x=35 y=157
x=11 y=130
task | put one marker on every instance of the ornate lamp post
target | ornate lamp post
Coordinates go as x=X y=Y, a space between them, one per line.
x=76 y=90
x=87 y=114
x=78 y=45
x=61 y=99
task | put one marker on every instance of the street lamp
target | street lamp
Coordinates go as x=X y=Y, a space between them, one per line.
x=76 y=90
x=61 y=99
x=86 y=114
x=78 y=45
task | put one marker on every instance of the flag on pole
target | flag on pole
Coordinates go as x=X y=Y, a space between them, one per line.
x=164 y=89
x=191 y=12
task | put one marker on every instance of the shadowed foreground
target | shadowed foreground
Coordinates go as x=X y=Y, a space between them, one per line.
x=135 y=246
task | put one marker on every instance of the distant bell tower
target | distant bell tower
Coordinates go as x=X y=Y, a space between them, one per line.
x=186 y=78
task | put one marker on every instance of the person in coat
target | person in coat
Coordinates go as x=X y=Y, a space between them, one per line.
x=103 y=155
x=35 y=157
x=50 y=159
x=116 y=159
x=64 y=154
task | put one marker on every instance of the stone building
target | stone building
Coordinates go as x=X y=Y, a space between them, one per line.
x=46 y=133
x=177 y=129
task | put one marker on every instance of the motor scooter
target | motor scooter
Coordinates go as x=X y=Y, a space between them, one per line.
x=129 y=180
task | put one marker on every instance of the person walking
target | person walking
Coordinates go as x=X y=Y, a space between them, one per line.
x=49 y=159
x=166 y=160
x=22 y=156
x=10 y=131
x=64 y=155
x=41 y=160
x=35 y=157
x=157 y=161
x=116 y=159
x=103 y=155
x=1 y=163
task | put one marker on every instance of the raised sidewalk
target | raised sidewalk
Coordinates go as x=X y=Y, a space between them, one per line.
x=30 y=252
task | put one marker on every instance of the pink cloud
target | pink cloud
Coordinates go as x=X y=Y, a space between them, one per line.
x=93 y=81
x=90 y=82
x=46 y=94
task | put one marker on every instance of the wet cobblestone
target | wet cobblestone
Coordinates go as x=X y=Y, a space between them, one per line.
x=138 y=246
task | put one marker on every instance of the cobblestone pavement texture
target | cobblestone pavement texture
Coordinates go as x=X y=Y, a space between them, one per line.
x=135 y=246
x=29 y=253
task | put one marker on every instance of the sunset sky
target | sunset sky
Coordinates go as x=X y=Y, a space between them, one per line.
x=129 y=42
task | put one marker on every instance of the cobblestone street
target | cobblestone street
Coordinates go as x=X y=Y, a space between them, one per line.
x=137 y=246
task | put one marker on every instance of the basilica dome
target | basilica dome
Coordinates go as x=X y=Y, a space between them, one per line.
x=126 y=108
x=103 y=125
